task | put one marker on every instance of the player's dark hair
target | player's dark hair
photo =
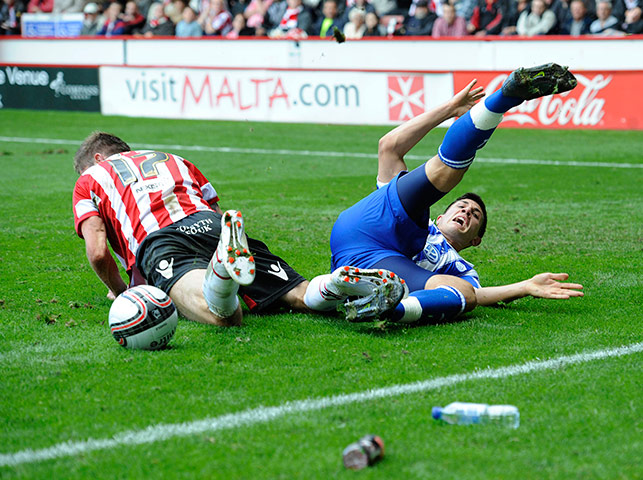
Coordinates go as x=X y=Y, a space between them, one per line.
x=476 y=198
x=98 y=142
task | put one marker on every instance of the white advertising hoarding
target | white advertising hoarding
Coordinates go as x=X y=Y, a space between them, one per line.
x=271 y=95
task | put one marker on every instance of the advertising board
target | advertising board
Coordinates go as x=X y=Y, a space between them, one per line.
x=48 y=88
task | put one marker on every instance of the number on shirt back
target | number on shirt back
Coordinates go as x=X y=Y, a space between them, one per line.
x=147 y=167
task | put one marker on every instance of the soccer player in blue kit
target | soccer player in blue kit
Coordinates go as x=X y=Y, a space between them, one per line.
x=390 y=228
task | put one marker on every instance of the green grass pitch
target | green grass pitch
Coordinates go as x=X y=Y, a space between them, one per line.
x=65 y=379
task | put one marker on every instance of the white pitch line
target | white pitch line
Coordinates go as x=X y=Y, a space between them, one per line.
x=160 y=432
x=317 y=153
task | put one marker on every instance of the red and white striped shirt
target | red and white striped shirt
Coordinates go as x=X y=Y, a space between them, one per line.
x=137 y=193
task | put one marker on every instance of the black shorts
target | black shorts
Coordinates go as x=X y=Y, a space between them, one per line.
x=168 y=254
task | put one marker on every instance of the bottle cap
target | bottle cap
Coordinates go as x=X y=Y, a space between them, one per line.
x=436 y=412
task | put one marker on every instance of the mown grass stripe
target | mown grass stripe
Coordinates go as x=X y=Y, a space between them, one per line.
x=314 y=153
x=160 y=432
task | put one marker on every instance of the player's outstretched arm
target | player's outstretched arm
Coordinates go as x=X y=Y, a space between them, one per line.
x=397 y=143
x=99 y=256
x=543 y=285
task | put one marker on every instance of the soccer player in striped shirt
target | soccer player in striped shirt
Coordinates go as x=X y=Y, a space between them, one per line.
x=391 y=228
x=162 y=219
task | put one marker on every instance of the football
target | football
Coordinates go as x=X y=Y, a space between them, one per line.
x=143 y=317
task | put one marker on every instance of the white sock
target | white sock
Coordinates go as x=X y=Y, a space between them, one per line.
x=322 y=295
x=412 y=310
x=219 y=290
x=483 y=118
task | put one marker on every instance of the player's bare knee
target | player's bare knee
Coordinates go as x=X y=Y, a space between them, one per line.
x=470 y=297
x=443 y=177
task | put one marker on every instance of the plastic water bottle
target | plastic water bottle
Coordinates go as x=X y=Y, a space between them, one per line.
x=460 y=413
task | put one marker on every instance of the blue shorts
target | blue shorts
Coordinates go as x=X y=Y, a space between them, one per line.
x=375 y=228
x=388 y=228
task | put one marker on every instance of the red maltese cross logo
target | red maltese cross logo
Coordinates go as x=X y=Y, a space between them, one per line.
x=405 y=97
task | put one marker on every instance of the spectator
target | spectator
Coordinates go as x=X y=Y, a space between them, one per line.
x=236 y=6
x=605 y=23
x=40 y=6
x=255 y=13
x=157 y=24
x=510 y=19
x=413 y=6
x=199 y=6
x=216 y=19
x=449 y=24
x=559 y=8
x=383 y=7
x=624 y=6
x=188 y=26
x=421 y=22
x=465 y=8
x=356 y=25
x=373 y=26
x=239 y=28
x=363 y=5
x=633 y=22
x=619 y=8
x=144 y=6
x=330 y=19
x=272 y=17
x=10 y=13
x=436 y=6
x=92 y=20
x=487 y=18
x=133 y=18
x=113 y=24
x=577 y=21
x=314 y=8
x=68 y=6
x=539 y=21
x=174 y=10
x=294 y=21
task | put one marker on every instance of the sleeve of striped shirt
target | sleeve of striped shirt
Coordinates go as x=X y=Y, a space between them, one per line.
x=83 y=205
x=209 y=193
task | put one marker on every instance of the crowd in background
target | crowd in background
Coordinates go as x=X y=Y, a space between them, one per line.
x=355 y=18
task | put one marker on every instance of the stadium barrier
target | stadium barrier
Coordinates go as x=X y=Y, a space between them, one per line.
x=366 y=82
x=600 y=101
x=49 y=88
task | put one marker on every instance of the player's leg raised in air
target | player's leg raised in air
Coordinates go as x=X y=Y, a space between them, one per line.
x=388 y=228
x=210 y=295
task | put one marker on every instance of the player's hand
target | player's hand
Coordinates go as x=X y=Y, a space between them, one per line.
x=549 y=285
x=466 y=98
x=110 y=295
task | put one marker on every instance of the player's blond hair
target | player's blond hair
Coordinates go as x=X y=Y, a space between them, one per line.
x=98 y=142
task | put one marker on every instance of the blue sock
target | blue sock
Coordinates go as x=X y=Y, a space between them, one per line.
x=441 y=303
x=499 y=103
x=461 y=142
x=471 y=131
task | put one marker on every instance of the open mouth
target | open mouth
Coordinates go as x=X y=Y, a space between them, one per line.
x=460 y=221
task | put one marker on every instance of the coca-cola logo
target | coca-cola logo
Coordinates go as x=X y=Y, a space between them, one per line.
x=585 y=109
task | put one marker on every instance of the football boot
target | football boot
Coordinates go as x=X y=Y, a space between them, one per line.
x=534 y=82
x=233 y=251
